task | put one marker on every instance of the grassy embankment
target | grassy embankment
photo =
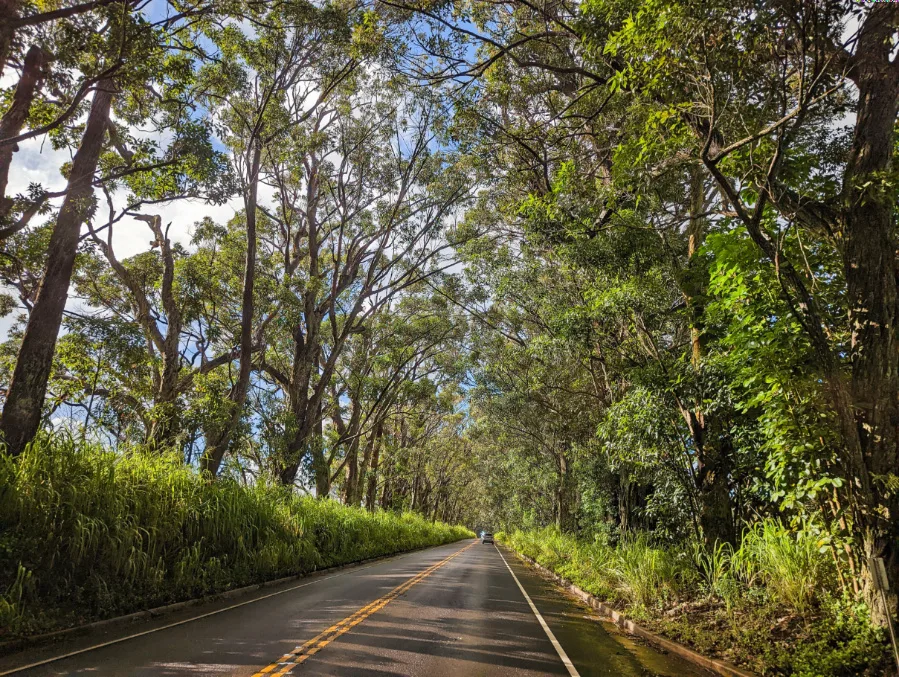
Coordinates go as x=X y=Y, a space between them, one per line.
x=774 y=606
x=86 y=533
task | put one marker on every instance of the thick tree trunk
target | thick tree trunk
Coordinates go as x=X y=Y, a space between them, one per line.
x=631 y=501
x=165 y=426
x=216 y=448
x=9 y=12
x=320 y=466
x=322 y=476
x=715 y=510
x=363 y=469
x=435 y=508
x=166 y=423
x=351 y=478
x=565 y=516
x=296 y=451
x=33 y=73
x=387 y=494
x=25 y=400
x=870 y=268
x=714 y=456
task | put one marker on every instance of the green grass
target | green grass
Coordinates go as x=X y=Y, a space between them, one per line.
x=86 y=533
x=773 y=605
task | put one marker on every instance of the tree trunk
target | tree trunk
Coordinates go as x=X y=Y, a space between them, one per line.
x=320 y=466
x=363 y=468
x=351 y=480
x=215 y=451
x=565 y=517
x=869 y=265
x=435 y=508
x=322 y=475
x=33 y=73
x=715 y=513
x=372 y=474
x=9 y=12
x=714 y=455
x=631 y=503
x=25 y=399
x=387 y=494
x=165 y=425
x=694 y=280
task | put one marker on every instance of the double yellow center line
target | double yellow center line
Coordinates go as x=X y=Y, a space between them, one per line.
x=288 y=661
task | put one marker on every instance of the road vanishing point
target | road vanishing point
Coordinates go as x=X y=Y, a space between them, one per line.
x=455 y=610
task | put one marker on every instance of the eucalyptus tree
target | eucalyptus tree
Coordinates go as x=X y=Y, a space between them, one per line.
x=167 y=297
x=128 y=68
x=364 y=209
x=423 y=456
x=417 y=337
x=262 y=86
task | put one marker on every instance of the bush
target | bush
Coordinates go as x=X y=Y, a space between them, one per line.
x=88 y=533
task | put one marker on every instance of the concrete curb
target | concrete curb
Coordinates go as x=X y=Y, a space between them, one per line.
x=12 y=645
x=717 y=666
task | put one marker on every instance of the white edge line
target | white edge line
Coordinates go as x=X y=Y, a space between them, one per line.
x=549 y=633
x=54 y=659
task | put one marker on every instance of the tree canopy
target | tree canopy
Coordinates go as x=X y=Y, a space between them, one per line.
x=621 y=267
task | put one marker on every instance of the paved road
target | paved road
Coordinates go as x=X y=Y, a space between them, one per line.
x=455 y=610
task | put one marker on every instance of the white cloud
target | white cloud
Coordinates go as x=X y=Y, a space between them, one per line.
x=37 y=162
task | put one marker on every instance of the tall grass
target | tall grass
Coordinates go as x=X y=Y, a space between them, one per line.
x=790 y=568
x=791 y=565
x=774 y=602
x=87 y=533
x=634 y=572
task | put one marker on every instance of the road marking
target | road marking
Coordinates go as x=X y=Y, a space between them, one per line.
x=549 y=633
x=54 y=659
x=300 y=654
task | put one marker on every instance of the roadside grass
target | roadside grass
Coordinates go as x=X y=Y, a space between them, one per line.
x=86 y=533
x=773 y=606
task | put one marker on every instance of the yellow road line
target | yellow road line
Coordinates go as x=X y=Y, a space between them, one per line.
x=290 y=660
x=126 y=638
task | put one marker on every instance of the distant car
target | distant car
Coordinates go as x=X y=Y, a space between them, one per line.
x=486 y=538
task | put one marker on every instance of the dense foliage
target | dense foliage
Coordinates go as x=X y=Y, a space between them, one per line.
x=133 y=530
x=623 y=267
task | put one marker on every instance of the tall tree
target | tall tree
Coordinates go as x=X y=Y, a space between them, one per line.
x=353 y=233
x=25 y=399
x=284 y=74
x=129 y=58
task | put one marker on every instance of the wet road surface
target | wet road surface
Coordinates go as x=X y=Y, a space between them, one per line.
x=454 y=611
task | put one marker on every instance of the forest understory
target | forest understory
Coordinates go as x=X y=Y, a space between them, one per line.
x=773 y=607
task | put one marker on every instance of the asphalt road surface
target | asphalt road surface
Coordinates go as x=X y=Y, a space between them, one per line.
x=454 y=610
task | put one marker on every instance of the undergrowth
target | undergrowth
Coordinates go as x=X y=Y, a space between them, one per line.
x=87 y=533
x=773 y=605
